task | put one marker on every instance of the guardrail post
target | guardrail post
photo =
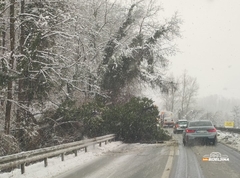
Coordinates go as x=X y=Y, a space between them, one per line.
x=100 y=144
x=85 y=148
x=23 y=168
x=45 y=162
x=75 y=152
x=62 y=156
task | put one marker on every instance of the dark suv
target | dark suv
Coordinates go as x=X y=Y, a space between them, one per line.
x=179 y=126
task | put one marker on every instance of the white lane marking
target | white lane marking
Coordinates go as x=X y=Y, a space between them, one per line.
x=166 y=172
x=176 y=151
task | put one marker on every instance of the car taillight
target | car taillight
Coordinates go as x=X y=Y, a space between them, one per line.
x=212 y=130
x=190 y=131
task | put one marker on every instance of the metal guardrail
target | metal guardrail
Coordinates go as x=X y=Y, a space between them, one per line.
x=20 y=159
x=233 y=130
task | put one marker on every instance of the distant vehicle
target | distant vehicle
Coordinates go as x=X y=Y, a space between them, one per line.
x=202 y=131
x=166 y=119
x=179 y=126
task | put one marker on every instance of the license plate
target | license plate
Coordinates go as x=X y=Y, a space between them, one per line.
x=201 y=131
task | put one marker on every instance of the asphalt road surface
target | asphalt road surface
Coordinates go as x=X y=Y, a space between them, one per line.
x=167 y=160
x=189 y=162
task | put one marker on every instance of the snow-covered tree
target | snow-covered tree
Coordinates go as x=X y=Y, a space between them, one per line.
x=143 y=56
x=170 y=94
x=52 y=51
x=179 y=95
x=188 y=90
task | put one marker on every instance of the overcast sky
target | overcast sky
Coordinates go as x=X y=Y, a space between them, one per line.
x=210 y=44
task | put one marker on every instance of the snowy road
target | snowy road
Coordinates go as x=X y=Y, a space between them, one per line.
x=152 y=160
x=188 y=163
x=130 y=160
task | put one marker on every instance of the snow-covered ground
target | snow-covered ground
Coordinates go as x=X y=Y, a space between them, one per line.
x=230 y=139
x=56 y=166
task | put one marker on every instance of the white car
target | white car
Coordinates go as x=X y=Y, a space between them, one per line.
x=179 y=126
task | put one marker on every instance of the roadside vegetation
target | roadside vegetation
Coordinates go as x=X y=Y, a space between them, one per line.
x=75 y=69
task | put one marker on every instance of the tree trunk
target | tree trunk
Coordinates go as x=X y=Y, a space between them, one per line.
x=11 y=63
x=21 y=98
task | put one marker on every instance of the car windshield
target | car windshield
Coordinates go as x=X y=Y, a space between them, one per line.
x=200 y=123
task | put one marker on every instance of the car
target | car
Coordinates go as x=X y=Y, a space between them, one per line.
x=201 y=131
x=179 y=126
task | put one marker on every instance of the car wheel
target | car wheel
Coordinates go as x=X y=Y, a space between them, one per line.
x=184 y=142
x=214 y=142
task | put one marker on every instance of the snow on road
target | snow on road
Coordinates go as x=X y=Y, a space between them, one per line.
x=56 y=166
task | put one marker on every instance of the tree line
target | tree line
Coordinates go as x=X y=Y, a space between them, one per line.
x=79 y=51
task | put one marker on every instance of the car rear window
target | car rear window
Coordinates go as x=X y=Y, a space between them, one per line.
x=200 y=123
x=182 y=122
